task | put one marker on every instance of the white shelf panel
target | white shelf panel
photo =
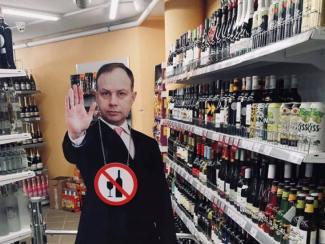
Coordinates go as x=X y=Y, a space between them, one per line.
x=286 y=153
x=285 y=51
x=190 y=225
x=5 y=139
x=7 y=73
x=27 y=92
x=32 y=119
x=15 y=236
x=229 y=210
x=11 y=178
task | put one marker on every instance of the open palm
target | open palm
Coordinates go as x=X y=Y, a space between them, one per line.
x=76 y=117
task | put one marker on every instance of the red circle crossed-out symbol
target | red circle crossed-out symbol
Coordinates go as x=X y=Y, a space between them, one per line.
x=103 y=172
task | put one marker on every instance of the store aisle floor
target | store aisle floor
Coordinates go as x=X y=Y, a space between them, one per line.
x=60 y=220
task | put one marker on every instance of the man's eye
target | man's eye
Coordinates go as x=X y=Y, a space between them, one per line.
x=104 y=93
x=122 y=93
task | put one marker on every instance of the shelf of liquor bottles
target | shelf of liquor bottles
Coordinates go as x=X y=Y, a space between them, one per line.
x=11 y=178
x=9 y=73
x=228 y=209
x=5 y=139
x=283 y=152
x=290 y=50
x=189 y=224
x=16 y=236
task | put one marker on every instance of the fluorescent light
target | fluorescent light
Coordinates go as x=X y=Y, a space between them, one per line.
x=113 y=9
x=30 y=14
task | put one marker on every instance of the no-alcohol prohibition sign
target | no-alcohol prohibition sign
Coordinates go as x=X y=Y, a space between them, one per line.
x=116 y=184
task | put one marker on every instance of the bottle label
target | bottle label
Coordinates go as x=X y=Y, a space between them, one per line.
x=238 y=112
x=260 y=119
x=39 y=166
x=273 y=120
x=316 y=127
x=252 y=127
x=284 y=125
x=248 y=114
x=321 y=236
x=227 y=188
x=239 y=189
x=309 y=208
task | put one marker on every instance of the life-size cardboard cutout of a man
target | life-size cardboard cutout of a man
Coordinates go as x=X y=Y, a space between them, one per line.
x=142 y=213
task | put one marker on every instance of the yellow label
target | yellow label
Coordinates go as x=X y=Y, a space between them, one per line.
x=309 y=208
x=292 y=197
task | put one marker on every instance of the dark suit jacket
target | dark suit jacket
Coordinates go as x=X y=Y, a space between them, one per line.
x=147 y=218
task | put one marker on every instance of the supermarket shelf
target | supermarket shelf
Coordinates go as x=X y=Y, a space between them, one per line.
x=286 y=153
x=7 y=73
x=229 y=210
x=290 y=50
x=189 y=224
x=16 y=236
x=163 y=149
x=32 y=119
x=41 y=144
x=27 y=92
x=11 y=178
x=5 y=139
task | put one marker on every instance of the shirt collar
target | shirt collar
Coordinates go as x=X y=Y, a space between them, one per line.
x=125 y=126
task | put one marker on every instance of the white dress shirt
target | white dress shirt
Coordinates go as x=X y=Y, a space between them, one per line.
x=125 y=136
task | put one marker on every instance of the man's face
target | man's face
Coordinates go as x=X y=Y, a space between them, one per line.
x=115 y=96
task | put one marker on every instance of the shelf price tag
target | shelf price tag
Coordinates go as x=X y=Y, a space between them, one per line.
x=236 y=142
x=215 y=136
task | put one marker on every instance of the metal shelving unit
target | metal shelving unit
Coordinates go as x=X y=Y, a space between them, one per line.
x=32 y=119
x=11 y=178
x=289 y=154
x=16 y=236
x=290 y=50
x=8 y=73
x=5 y=139
x=228 y=209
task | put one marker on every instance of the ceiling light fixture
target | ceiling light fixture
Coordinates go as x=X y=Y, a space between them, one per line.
x=113 y=9
x=30 y=14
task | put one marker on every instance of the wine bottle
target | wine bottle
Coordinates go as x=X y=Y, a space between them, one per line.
x=307 y=227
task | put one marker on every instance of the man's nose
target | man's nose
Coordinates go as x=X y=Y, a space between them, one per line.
x=113 y=101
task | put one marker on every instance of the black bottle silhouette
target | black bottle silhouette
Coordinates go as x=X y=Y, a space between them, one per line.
x=120 y=182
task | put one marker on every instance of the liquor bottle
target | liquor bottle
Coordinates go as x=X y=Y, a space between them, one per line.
x=221 y=15
x=197 y=161
x=229 y=162
x=237 y=26
x=222 y=171
x=255 y=30
x=248 y=20
x=263 y=11
x=23 y=84
x=34 y=108
x=210 y=108
x=266 y=184
x=281 y=20
x=39 y=134
x=261 y=111
x=322 y=227
x=39 y=164
x=273 y=21
x=307 y=227
x=233 y=99
x=284 y=207
x=241 y=177
x=119 y=181
x=295 y=222
x=218 y=104
x=16 y=84
x=251 y=108
x=293 y=95
x=205 y=47
x=11 y=204
x=197 y=46
x=34 y=134
x=234 y=177
x=214 y=24
x=297 y=16
x=284 y=125
x=225 y=107
x=33 y=161
x=252 y=210
x=226 y=24
x=4 y=230
x=245 y=191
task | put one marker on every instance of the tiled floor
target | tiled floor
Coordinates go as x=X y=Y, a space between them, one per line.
x=60 y=220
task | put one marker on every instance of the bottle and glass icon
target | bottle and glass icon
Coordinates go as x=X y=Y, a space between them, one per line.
x=110 y=186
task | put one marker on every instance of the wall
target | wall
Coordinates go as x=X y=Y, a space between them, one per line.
x=53 y=63
x=211 y=6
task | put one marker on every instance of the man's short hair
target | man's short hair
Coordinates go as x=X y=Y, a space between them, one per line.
x=107 y=68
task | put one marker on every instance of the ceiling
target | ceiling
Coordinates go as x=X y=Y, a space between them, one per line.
x=71 y=21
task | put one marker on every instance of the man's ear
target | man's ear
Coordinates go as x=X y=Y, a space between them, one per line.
x=134 y=95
